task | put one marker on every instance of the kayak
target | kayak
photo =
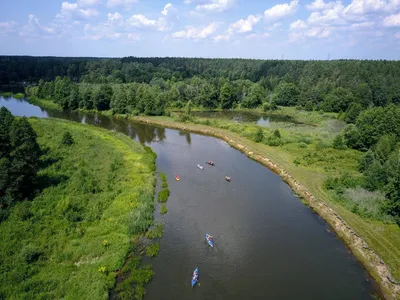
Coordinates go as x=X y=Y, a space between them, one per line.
x=210 y=242
x=194 y=280
x=211 y=163
x=227 y=178
x=177 y=177
x=200 y=167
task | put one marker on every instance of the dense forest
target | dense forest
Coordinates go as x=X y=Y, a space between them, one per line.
x=365 y=94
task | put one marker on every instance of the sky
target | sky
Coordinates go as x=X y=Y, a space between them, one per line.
x=295 y=29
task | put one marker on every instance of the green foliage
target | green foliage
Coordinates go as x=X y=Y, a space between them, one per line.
x=338 y=142
x=309 y=106
x=19 y=159
x=155 y=232
x=163 y=177
x=163 y=195
x=277 y=133
x=286 y=94
x=6 y=94
x=52 y=245
x=226 y=96
x=259 y=135
x=67 y=139
x=19 y=96
x=353 y=112
x=163 y=210
x=152 y=250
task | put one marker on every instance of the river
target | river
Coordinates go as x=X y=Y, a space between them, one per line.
x=268 y=245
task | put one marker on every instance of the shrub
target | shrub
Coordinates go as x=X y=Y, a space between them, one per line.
x=338 y=142
x=259 y=135
x=163 y=176
x=309 y=106
x=302 y=145
x=277 y=133
x=163 y=195
x=155 y=232
x=67 y=139
x=163 y=210
x=152 y=250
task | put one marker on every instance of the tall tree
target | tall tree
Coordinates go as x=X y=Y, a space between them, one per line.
x=225 y=96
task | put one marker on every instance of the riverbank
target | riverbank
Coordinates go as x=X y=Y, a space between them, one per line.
x=44 y=103
x=95 y=198
x=368 y=240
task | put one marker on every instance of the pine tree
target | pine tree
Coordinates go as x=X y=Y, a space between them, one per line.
x=6 y=119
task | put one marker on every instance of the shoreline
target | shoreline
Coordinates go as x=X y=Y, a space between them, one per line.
x=359 y=248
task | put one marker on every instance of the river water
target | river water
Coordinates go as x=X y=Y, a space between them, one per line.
x=268 y=245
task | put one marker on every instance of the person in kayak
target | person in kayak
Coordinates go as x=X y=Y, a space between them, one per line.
x=210 y=237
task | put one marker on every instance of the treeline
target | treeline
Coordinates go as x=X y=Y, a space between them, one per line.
x=19 y=159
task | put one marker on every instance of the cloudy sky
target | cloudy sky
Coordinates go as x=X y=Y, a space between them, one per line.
x=296 y=29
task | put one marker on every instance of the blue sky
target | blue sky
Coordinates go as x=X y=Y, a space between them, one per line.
x=297 y=29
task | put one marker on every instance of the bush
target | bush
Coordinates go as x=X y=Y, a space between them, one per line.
x=152 y=250
x=19 y=96
x=259 y=135
x=67 y=139
x=163 y=195
x=338 y=142
x=163 y=177
x=309 y=106
x=155 y=232
x=277 y=133
x=302 y=145
x=163 y=210
x=164 y=185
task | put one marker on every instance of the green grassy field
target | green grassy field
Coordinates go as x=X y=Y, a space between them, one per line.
x=305 y=152
x=70 y=241
x=44 y=103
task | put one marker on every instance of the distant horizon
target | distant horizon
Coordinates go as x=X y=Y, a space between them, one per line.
x=198 y=57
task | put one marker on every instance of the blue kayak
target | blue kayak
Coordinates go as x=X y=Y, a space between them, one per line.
x=194 y=280
x=210 y=242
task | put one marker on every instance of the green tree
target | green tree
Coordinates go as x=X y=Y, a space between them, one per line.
x=73 y=102
x=188 y=108
x=351 y=137
x=119 y=101
x=67 y=139
x=225 y=96
x=338 y=142
x=259 y=135
x=102 y=97
x=254 y=97
x=353 y=112
x=309 y=106
x=6 y=119
x=338 y=100
x=384 y=147
x=24 y=160
x=277 y=133
x=286 y=94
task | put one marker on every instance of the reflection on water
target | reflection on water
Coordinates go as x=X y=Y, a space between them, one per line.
x=246 y=117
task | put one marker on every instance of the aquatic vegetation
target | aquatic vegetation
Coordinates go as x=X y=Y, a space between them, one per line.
x=152 y=250
x=155 y=232
x=163 y=210
x=19 y=96
x=163 y=195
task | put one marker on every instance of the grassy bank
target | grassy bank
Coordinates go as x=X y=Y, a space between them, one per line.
x=303 y=158
x=44 y=103
x=71 y=240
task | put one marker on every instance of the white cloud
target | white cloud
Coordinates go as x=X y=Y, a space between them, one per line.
x=99 y=32
x=72 y=11
x=392 y=21
x=215 y=5
x=169 y=10
x=141 y=21
x=244 y=25
x=34 y=30
x=222 y=37
x=86 y=3
x=7 y=27
x=332 y=16
x=363 y=25
x=127 y=4
x=274 y=26
x=318 y=32
x=397 y=35
x=363 y=7
x=299 y=24
x=258 y=36
x=320 y=5
x=115 y=17
x=281 y=10
x=194 y=33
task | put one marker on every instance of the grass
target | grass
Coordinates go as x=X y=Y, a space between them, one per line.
x=163 y=210
x=44 y=103
x=155 y=232
x=70 y=241
x=19 y=96
x=152 y=250
x=6 y=94
x=305 y=152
